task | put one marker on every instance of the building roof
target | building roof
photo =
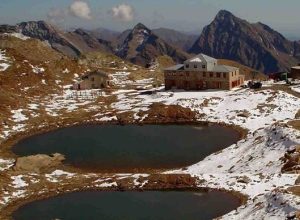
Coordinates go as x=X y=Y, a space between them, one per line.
x=224 y=68
x=202 y=58
x=176 y=67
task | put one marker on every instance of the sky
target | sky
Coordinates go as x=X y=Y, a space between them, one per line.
x=183 y=15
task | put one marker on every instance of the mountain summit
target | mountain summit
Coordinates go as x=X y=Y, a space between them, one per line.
x=142 y=47
x=255 y=45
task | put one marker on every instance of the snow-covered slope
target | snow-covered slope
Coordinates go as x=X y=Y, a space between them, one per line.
x=4 y=61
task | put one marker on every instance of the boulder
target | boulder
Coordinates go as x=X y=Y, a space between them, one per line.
x=244 y=114
x=38 y=163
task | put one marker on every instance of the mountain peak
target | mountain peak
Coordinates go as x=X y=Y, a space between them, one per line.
x=140 y=26
x=224 y=15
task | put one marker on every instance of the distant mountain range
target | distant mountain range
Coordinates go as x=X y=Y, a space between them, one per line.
x=227 y=37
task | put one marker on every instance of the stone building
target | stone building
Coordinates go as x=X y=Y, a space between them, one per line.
x=93 y=80
x=295 y=72
x=202 y=72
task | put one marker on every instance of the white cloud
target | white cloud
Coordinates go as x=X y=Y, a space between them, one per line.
x=80 y=9
x=123 y=12
x=57 y=16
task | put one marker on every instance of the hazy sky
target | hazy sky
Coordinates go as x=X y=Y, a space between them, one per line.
x=187 y=15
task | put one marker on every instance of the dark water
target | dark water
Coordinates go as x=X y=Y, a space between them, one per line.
x=125 y=148
x=130 y=205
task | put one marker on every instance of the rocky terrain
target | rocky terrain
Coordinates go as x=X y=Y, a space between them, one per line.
x=254 y=45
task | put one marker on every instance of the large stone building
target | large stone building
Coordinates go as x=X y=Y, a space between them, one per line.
x=295 y=72
x=202 y=72
x=93 y=80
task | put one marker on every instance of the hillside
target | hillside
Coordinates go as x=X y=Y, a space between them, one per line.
x=30 y=73
x=72 y=44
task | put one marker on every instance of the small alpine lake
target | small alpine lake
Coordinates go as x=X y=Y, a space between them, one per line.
x=147 y=205
x=130 y=148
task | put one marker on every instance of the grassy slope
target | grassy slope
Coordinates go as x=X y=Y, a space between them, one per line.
x=19 y=83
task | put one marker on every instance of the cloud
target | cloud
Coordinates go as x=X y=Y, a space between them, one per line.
x=123 y=12
x=80 y=9
x=57 y=16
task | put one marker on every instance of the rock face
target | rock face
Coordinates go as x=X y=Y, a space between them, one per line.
x=255 y=45
x=86 y=42
x=7 y=29
x=46 y=32
x=142 y=47
x=159 y=112
x=37 y=163
x=72 y=44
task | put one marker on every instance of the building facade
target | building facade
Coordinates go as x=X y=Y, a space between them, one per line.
x=93 y=80
x=202 y=72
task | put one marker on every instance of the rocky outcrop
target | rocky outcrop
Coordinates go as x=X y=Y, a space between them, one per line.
x=142 y=47
x=46 y=32
x=255 y=45
x=38 y=163
x=161 y=113
x=292 y=160
x=170 y=181
x=7 y=29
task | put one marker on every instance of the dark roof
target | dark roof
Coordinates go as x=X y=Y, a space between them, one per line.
x=103 y=74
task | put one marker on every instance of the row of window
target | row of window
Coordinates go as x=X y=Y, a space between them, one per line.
x=195 y=66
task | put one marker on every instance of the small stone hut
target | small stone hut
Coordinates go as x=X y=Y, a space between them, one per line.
x=93 y=80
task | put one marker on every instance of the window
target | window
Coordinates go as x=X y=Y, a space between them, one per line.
x=187 y=66
x=204 y=74
x=203 y=66
x=92 y=79
x=218 y=75
x=195 y=66
x=224 y=75
x=211 y=75
x=187 y=74
x=232 y=74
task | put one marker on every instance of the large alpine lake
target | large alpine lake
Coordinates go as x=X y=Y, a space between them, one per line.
x=149 y=205
x=114 y=148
